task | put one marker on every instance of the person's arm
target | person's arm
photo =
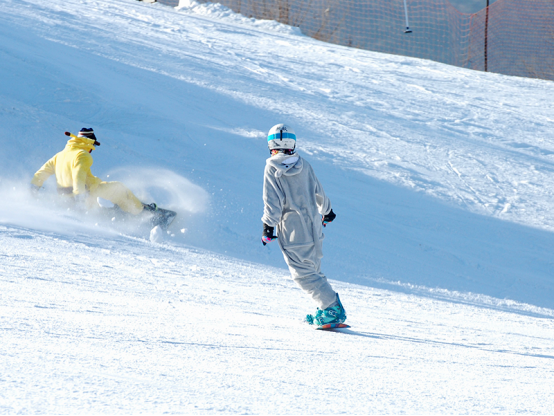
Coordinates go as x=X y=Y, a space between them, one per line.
x=273 y=206
x=322 y=201
x=273 y=199
x=47 y=170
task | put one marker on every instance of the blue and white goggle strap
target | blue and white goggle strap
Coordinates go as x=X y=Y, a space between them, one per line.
x=281 y=135
x=281 y=140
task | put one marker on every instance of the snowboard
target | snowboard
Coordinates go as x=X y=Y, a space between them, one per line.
x=158 y=220
x=163 y=218
x=331 y=326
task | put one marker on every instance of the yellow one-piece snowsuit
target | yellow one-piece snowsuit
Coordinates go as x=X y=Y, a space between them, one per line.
x=73 y=177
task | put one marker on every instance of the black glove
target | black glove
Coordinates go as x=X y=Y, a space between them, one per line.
x=328 y=218
x=267 y=234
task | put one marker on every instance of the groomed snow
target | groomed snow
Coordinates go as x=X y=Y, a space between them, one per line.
x=441 y=179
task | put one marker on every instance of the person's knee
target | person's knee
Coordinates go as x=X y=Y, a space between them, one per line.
x=118 y=186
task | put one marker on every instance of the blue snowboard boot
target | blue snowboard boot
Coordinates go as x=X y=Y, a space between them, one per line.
x=334 y=314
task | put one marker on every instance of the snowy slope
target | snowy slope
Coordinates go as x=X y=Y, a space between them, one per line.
x=442 y=248
x=441 y=177
x=120 y=326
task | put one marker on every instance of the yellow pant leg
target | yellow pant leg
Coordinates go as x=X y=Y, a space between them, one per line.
x=120 y=195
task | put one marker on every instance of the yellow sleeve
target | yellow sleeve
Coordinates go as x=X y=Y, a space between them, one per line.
x=47 y=170
x=80 y=172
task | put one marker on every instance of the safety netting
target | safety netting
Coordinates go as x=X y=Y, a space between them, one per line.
x=512 y=37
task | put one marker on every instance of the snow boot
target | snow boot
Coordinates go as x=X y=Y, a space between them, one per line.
x=334 y=314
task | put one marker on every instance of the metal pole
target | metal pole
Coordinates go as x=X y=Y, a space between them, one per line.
x=408 y=30
x=487 y=37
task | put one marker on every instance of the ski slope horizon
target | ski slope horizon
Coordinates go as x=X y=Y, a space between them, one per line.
x=441 y=179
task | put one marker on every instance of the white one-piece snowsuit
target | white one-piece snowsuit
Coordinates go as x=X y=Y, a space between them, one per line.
x=294 y=202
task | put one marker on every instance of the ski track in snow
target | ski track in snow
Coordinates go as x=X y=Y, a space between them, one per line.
x=451 y=312
x=121 y=325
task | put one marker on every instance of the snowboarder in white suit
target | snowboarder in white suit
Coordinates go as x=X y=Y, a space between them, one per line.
x=296 y=206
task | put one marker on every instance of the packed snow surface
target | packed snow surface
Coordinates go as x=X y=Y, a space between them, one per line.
x=441 y=179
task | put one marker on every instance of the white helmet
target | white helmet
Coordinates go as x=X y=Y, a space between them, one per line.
x=281 y=137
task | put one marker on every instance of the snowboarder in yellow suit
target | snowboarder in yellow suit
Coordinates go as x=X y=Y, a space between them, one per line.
x=74 y=178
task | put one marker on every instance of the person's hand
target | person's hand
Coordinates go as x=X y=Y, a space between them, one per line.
x=328 y=218
x=268 y=234
x=34 y=190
